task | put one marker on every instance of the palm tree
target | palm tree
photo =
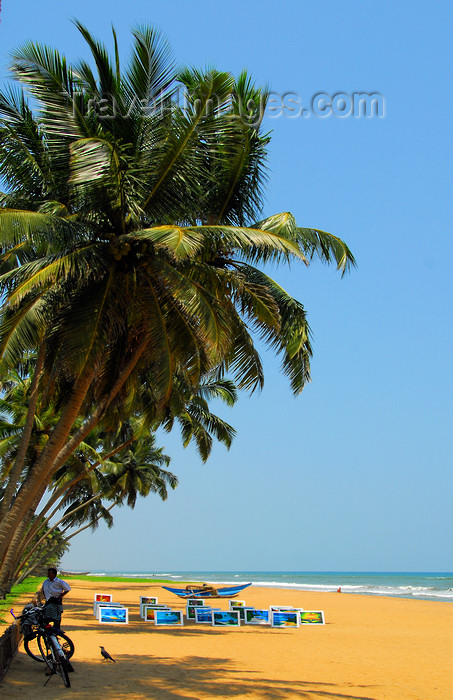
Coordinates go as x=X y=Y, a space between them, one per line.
x=106 y=459
x=136 y=470
x=130 y=243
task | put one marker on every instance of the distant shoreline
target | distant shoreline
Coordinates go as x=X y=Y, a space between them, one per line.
x=433 y=586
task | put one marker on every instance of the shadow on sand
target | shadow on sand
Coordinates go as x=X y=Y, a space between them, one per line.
x=191 y=677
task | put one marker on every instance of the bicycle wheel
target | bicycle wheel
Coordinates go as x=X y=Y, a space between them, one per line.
x=56 y=663
x=32 y=648
x=46 y=651
x=66 y=644
x=62 y=669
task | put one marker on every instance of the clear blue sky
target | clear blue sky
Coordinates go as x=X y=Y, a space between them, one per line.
x=356 y=473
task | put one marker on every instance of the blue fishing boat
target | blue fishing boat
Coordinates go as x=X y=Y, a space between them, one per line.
x=207 y=591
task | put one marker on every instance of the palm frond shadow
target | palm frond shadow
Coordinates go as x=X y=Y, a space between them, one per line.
x=195 y=677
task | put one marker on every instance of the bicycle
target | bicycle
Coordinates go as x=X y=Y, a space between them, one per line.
x=46 y=643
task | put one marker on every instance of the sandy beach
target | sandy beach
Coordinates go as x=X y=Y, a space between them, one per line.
x=370 y=647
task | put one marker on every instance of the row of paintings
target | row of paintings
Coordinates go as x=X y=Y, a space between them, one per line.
x=108 y=614
x=106 y=611
x=250 y=616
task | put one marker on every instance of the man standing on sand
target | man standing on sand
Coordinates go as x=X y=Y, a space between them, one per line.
x=53 y=591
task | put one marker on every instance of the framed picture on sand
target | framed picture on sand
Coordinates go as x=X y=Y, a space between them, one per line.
x=312 y=617
x=203 y=615
x=285 y=618
x=148 y=600
x=225 y=618
x=112 y=604
x=277 y=608
x=196 y=601
x=150 y=605
x=190 y=611
x=236 y=604
x=256 y=617
x=149 y=611
x=241 y=611
x=168 y=617
x=113 y=616
x=103 y=597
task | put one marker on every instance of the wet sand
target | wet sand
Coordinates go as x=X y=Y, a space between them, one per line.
x=370 y=647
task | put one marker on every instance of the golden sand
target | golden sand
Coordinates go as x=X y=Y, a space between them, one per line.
x=370 y=647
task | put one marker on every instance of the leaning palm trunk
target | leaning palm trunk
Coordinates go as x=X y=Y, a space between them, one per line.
x=42 y=539
x=53 y=456
x=42 y=471
x=49 y=555
x=14 y=475
x=63 y=492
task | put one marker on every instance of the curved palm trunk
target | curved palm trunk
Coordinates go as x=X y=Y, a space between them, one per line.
x=16 y=470
x=16 y=546
x=43 y=468
x=8 y=567
x=56 y=451
x=49 y=554
x=54 y=527
x=64 y=491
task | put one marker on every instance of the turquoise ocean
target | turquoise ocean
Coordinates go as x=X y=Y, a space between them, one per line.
x=436 y=586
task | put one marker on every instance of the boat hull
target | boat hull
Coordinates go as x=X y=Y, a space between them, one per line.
x=226 y=592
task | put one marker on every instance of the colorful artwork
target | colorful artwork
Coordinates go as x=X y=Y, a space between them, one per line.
x=256 y=617
x=277 y=608
x=113 y=616
x=241 y=611
x=103 y=597
x=150 y=605
x=111 y=604
x=312 y=617
x=147 y=611
x=203 y=614
x=225 y=618
x=148 y=600
x=190 y=610
x=195 y=601
x=168 y=617
x=236 y=604
x=285 y=618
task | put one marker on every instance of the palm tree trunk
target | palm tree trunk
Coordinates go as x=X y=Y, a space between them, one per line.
x=43 y=467
x=8 y=567
x=16 y=469
x=65 y=490
x=92 y=422
x=49 y=554
x=54 y=527
x=57 y=450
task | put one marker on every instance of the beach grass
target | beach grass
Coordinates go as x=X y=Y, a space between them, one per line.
x=30 y=585
x=33 y=583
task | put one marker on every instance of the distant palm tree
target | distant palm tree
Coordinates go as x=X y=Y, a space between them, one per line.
x=95 y=472
x=130 y=240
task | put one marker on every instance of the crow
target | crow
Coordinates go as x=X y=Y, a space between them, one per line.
x=106 y=655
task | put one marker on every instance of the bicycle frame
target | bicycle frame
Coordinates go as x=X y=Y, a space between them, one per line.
x=58 y=662
x=49 y=646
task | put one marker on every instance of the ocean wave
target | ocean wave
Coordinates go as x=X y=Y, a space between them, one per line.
x=408 y=586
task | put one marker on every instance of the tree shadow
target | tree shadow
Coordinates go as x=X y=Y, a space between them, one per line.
x=164 y=678
x=200 y=677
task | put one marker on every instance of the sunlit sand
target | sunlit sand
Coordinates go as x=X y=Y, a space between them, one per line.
x=370 y=647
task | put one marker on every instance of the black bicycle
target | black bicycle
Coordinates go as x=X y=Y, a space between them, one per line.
x=46 y=643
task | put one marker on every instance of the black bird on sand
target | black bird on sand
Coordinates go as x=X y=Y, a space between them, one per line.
x=106 y=655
